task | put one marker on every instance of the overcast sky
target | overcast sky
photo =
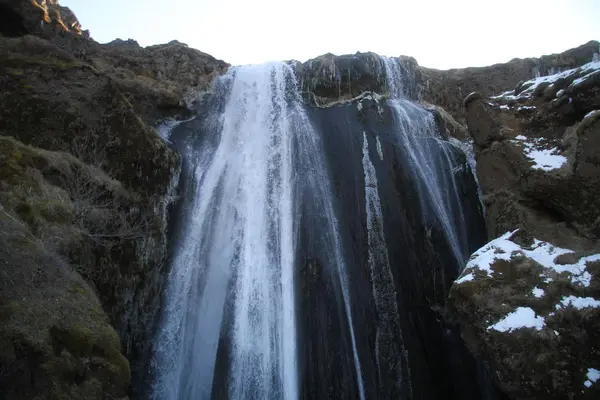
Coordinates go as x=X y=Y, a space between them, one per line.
x=439 y=34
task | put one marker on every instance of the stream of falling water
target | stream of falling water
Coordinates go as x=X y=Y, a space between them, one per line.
x=233 y=271
x=430 y=159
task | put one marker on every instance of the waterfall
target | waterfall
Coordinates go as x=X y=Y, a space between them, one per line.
x=313 y=246
x=430 y=159
x=231 y=289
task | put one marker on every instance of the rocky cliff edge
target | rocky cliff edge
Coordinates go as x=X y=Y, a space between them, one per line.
x=85 y=186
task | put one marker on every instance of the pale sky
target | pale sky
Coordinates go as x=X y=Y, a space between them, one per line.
x=439 y=34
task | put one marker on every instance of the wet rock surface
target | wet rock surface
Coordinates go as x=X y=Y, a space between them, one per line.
x=328 y=79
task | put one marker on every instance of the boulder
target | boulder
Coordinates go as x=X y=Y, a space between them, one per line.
x=483 y=126
x=532 y=310
x=329 y=78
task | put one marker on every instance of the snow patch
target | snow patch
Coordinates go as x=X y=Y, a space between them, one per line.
x=522 y=317
x=578 y=302
x=379 y=149
x=509 y=95
x=545 y=159
x=592 y=377
x=591 y=114
x=543 y=253
x=468 y=277
x=587 y=70
x=537 y=292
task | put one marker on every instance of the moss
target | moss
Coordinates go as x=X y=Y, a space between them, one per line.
x=77 y=338
x=15 y=71
x=108 y=341
x=55 y=211
x=28 y=214
x=79 y=289
x=17 y=61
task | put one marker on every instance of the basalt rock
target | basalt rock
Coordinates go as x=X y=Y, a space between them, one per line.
x=530 y=310
x=85 y=186
x=536 y=287
x=448 y=88
x=329 y=78
x=545 y=157
x=114 y=214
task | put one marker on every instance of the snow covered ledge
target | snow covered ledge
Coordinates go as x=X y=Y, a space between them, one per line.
x=533 y=312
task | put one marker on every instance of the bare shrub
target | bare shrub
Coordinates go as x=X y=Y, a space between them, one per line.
x=103 y=214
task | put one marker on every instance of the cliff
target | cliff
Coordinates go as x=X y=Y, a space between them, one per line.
x=528 y=300
x=86 y=183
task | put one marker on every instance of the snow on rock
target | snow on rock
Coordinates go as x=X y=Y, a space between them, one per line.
x=522 y=317
x=591 y=114
x=466 y=278
x=582 y=73
x=578 y=302
x=526 y=108
x=537 y=292
x=545 y=159
x=543 y=253
x=509 y=95
x=592 y=377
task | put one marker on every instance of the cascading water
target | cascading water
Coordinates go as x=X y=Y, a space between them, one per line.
x=430 y=158
x=312 y=248
x=233 y=271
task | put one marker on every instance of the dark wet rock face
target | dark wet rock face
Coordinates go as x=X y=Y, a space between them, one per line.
x=418 y=258
x=426 y=359
x=328 y=79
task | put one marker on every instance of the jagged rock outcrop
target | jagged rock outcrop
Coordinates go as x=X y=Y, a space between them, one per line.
x=448 y=88
x=45 y=18
x=532 y=311
x=329 y=78
x=542 y=151
x=85 y=185
x=528 y=302
x=160 y=81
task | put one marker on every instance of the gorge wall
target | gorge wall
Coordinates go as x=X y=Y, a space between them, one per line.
x=93 y=203
x=85 y=190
